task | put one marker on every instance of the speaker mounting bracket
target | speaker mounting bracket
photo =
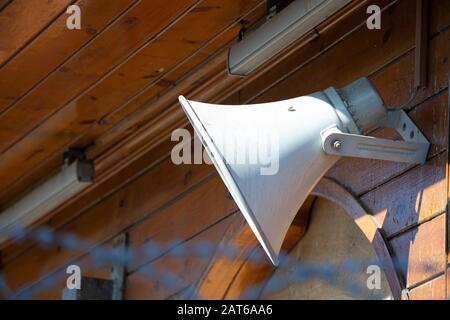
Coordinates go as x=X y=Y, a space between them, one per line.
x=413 y=148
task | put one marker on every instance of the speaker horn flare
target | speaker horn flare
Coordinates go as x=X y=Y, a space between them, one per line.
x=271 y=155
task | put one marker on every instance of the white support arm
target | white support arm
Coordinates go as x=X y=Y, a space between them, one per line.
x=413 y=150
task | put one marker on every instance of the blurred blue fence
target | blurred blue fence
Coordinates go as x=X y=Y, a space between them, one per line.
x=102 y=256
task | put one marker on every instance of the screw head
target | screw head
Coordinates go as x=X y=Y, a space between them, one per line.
x=337 y=145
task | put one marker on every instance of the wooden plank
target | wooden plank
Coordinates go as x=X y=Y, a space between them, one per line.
x=144 y=21
x=4 y=4
x=229 y=277
x=178 y=43
x=185 y=269
x=203 y=207
x=392 y=82
x=349 y=61
x=327 y=38
x=145 y=129
x=160 y=79
x=430 y=117
x=336 y=193
x=185 y=218
x=103 y=183
x=439 y=59
x=423 y=192
x=439 y=69
x=21 y=20
x=174 y=109
x=311 y=51
x=251 y=274
x=396 y=81
x=172 y=77
x=332 y=241
x=420 y=253
x=431 y=290
x=101 y=189
x=110 y=217
x=399 y=168
x=165 y=121
x=98 y=143
x=48 y=138
x=391 y=42
x=54 y=46
x=220 y=273
x=37 y=155
x=440 y=13
x=200 y=209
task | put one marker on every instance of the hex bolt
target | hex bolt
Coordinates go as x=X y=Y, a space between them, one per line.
x=337 y=145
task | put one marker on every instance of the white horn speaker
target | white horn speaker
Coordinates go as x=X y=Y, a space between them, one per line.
x=271 y=155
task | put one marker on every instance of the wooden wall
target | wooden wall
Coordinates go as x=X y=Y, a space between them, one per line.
x=154 y=200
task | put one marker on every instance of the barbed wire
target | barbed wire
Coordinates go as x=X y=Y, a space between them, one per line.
x=102 y=255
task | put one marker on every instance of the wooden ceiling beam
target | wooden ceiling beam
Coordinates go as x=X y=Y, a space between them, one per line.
x=22 y=74
x=137 y=134
x=139 y=131
x=125 y=38
x=61 y=131
x=25 y=19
